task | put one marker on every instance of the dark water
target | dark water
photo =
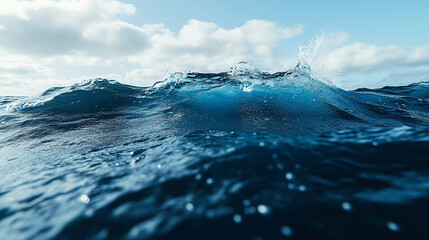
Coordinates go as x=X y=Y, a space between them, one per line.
x=238 y=155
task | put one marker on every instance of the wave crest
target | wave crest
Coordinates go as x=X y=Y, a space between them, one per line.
x=88 y=95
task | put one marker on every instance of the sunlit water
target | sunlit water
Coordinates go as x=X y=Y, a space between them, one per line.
x=238 y=155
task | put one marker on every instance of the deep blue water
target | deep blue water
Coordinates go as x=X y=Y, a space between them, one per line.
x=237 y=155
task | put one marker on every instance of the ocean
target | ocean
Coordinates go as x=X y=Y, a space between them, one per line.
x=242 y=154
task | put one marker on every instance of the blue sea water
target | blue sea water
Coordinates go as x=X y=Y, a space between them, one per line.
x=236 y=155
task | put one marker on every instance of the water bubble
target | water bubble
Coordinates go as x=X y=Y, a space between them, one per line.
x=261 y=144
x=289 y=176
x=209 y=181
x=89 y=213
x=246 y=202
x=117 y=164
x=198 y=177
x=393 y=226
x=375 y=144
x=249 y=210
x=302 y=188
x=287 y=231
x=189 y=207
x=291 y=186
x=346 y=206
x=237 y=218
x=263 y=209
x=159 y=166
x=84 y=198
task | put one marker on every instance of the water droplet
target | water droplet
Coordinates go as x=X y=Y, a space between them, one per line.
x=249 y=211
x=375 y=144
x=393 y=226
x=89 y=213
x=209 y=181
x=263 y=209
x=261 y=144
x=117 y=164
x=189 y=207
x=289 y=176
x=198 y=177
x=346 y=206
x=159 y=166
x=291 y=186
x=246 y=202
x=84 y=198
x=237 y=218
x=302 y=188
x=287 y=231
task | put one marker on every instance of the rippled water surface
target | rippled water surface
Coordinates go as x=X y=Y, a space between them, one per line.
x=237 y=155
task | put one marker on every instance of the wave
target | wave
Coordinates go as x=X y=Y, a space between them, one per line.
x=88 y=95
x=209 y=151
x=292 y=102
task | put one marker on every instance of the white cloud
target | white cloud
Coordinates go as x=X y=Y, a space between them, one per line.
x=82 y=27
x=207 y=47
x=361 y=57
x=145 y=77
x=46 y=42
x=363 y=65
x=17 y=68
x=20 y=77
x=90 y=33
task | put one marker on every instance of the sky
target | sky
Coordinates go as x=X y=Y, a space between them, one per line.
x=48 y=43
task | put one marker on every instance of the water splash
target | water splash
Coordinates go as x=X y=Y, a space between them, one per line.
x=312 y=59
x=244 y=68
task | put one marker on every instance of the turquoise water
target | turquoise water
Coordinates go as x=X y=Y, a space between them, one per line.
x=237 y=155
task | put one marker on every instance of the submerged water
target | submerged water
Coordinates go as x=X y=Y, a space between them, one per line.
x=237 y=155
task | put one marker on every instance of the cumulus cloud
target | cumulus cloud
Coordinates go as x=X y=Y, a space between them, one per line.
x=82 y=27
x=361 y=57
x=18 y=75
x=207 y=47
x=48 y=41
x=17 y=68
x=357 y=65
x=91 y=33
